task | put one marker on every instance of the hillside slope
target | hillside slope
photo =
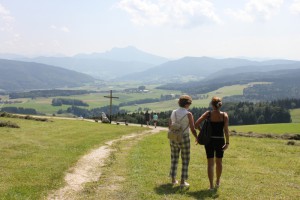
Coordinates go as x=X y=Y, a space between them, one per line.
x=199 y=67
x=18 y=76
x=283 y=78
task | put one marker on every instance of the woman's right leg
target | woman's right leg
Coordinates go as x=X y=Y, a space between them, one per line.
x=218 y=170
x=210 y=171
x=174 y=160
x=185 y=156
x=209 y=149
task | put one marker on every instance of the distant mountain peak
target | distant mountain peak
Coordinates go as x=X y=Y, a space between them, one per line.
x=126 y=54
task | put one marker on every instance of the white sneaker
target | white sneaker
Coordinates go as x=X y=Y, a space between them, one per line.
x=185 y=184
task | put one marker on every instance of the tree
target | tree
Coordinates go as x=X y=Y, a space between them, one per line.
x=142 y=87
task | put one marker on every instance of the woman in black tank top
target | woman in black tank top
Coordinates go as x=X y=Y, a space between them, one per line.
x=217 y=145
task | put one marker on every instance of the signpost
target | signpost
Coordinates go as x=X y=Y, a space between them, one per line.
x=110 y=107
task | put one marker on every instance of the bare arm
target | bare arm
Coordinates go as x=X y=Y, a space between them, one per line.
x=226 y=131
x=201 y=119
x=192 y=125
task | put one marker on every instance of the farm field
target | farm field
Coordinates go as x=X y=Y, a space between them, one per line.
x=268 y=128
x=35 y=157
x=43 y=105
x=171 y=104
x=295 y=113
x=253 y=169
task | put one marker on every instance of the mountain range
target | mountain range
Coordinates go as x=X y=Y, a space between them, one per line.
x=127 y=64
x=107 y=65
x=205 y=67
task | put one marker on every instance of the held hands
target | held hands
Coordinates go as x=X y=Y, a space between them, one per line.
x=196 y=140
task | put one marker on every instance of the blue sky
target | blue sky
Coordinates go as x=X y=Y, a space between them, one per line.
x=170 y=28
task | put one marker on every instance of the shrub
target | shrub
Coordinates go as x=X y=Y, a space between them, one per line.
x=9 y=124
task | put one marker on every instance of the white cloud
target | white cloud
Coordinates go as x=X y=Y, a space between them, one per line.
x=257 y=10
x=63 y=28
x=179 y=13
x=4 y=11
x=53 y=27
x=295 y=7
x=5 y=19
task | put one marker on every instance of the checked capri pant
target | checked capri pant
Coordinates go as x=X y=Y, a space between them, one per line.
x=183 y=148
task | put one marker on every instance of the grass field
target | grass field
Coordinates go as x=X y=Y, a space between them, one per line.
x=268 y=128
x=35 y=157
x=170 y=105
x=43 y=105
x=295 y=113
x=253 y=169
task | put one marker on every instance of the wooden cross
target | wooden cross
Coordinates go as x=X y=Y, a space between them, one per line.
x=110 y=107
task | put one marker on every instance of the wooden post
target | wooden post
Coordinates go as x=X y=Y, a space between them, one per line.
x=110 y=106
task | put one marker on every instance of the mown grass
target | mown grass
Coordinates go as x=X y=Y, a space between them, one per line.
x=43 y=105
x=268 y=128
x=295 y=113
x=253 y=169
x=35 y=157
x=169 y=105
x=94 y=100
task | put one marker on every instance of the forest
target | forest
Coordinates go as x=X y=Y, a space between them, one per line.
x=242 y=113
x=47 y=93
x=61 y=101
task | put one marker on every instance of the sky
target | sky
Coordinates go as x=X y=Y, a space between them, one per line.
x=169 y=28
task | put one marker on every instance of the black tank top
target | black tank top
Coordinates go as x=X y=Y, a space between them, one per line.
x=217 y=129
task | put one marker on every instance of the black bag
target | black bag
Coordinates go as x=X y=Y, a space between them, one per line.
x=204 y=136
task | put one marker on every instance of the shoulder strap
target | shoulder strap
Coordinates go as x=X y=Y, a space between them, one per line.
x=209 y=114
x=183 y=117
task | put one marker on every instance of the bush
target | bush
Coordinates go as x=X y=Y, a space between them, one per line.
x=9 y=124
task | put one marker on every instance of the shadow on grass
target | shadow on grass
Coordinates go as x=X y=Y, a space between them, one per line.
x=203 y=194
x=167 y=189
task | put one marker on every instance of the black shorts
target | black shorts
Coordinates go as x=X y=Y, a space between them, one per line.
x=214 y=148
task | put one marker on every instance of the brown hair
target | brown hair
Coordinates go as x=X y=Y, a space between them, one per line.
x=184 y=100
x=216 y=102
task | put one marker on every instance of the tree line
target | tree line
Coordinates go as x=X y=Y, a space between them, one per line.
x=62 y=101
x=47 y=93
x=242 y=113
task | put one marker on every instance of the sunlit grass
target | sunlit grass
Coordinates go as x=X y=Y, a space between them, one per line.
x=253 y=169
x=35 y=157
x=268 y=128
x=295 y=113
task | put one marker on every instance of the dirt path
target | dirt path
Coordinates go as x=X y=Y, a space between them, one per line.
x=88 y=168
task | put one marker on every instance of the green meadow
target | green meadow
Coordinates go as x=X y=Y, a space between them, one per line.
x=252 y=169
x=268 y=128
x=35 y=157
x=94 y=100
x=295 y=113
x=171 y=104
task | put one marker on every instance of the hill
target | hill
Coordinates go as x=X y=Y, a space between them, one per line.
x=287 y=79
x=266 y=66
x=107 y=65
x=199 y=68
x=18 y=76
